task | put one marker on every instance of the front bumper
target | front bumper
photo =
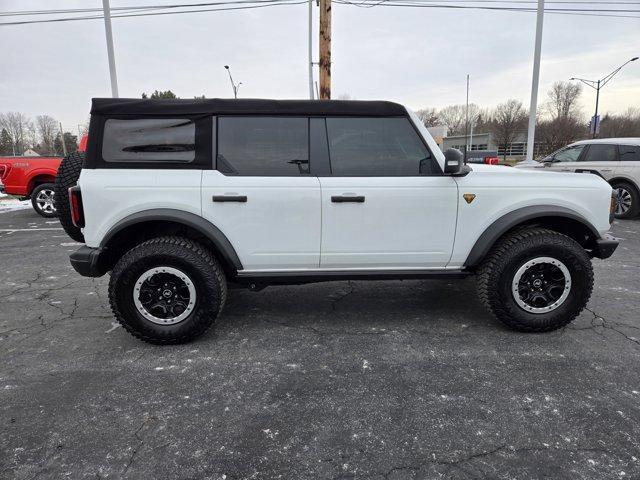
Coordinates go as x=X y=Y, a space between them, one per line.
x=89 y=262
x=605 y=247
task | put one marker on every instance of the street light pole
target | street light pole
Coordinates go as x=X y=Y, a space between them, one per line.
x=112 y=61
x=234 y=86
x=310 y=50
x=531 y=130
x=466 y=124
x=597 y=85
x=595 y=116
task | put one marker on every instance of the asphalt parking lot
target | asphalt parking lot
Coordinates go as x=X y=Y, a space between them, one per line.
x=384 y=380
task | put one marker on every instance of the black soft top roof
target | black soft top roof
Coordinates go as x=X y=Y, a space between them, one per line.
x=223 y=106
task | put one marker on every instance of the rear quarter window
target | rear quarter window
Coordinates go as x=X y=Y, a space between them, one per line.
x=171 y=140
x=629 y=153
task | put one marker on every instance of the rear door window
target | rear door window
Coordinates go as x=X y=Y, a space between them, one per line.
x=171 y=140
x=263 y=146
x=601 y=153
x=377 y=147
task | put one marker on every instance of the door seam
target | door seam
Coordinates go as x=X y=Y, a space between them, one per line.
x=321 y=222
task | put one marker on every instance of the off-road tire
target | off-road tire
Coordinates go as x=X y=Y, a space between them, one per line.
x=635 y=200
x=44 y=187
x=67 y=177
x=190 y=257
x=496 y=273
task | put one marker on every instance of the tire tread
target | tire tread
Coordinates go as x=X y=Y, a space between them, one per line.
x=67 y=177
x=497 y=260
x=172 y=245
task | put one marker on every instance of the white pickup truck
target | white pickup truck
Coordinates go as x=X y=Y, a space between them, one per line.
x=180 y=198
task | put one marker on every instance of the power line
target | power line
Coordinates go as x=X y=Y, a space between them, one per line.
x=135 y=8
x=419 y=4
x=252 y=4
x=262 y=4
x=428 y=3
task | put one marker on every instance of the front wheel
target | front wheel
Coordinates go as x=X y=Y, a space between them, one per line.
x=42 y=200
x=627 y=200
x=167 y=290
x=535 y=280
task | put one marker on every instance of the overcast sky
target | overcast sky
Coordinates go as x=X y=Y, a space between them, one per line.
x=419 y=57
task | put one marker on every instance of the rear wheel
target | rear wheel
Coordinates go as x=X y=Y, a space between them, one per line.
x=627 y=200
x=67 y=177
x=42 y=200
x=535 y=280
x=167 y=290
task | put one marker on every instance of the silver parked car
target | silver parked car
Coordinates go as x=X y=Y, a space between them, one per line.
x=617 y=160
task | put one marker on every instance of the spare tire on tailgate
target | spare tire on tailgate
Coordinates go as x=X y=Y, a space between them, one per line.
x=67 y=177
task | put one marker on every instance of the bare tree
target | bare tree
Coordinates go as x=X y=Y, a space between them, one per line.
x=508 y=119
x=555 y=134
x=453 y=117
x=626 y=124
x=429 y=117
x=17 y=126
x=47 y=129
x=562 y=100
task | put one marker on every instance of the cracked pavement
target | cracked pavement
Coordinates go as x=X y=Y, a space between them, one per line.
x=382 y=380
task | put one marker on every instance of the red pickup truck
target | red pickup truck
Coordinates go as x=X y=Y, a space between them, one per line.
x=32 y=177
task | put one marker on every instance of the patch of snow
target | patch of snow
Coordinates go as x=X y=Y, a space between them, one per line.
x=10 y=204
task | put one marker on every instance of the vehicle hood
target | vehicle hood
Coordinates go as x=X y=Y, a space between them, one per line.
x=542 y=177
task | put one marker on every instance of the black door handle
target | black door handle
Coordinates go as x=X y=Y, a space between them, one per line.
x=230 y=198
x=347 y=198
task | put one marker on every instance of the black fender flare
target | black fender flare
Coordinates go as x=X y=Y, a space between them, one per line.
x=503 y=224
x=205 y=227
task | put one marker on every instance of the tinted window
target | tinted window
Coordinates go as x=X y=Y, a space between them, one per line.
x=263 y=146
x=569 y=154
x=601 y=153
x=629 y=153
x=376 y=146
x=149 y=140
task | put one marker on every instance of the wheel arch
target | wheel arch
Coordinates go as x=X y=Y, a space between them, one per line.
x=38 y=179
x=559 y=219
x=147 y=224
x=620 y=179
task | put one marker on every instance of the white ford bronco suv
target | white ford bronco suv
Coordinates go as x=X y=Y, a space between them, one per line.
x=180 y=199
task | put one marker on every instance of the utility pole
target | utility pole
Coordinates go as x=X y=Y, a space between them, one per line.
x=531 y=131
x=325 y=49
x=310 y=49
x=597 y=85
x=112 y=61
x=64 y=146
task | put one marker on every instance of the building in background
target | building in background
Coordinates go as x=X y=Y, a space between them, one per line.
x=438 y=132
x=485 y=141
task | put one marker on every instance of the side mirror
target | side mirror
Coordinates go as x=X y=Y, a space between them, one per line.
x=454 y=163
